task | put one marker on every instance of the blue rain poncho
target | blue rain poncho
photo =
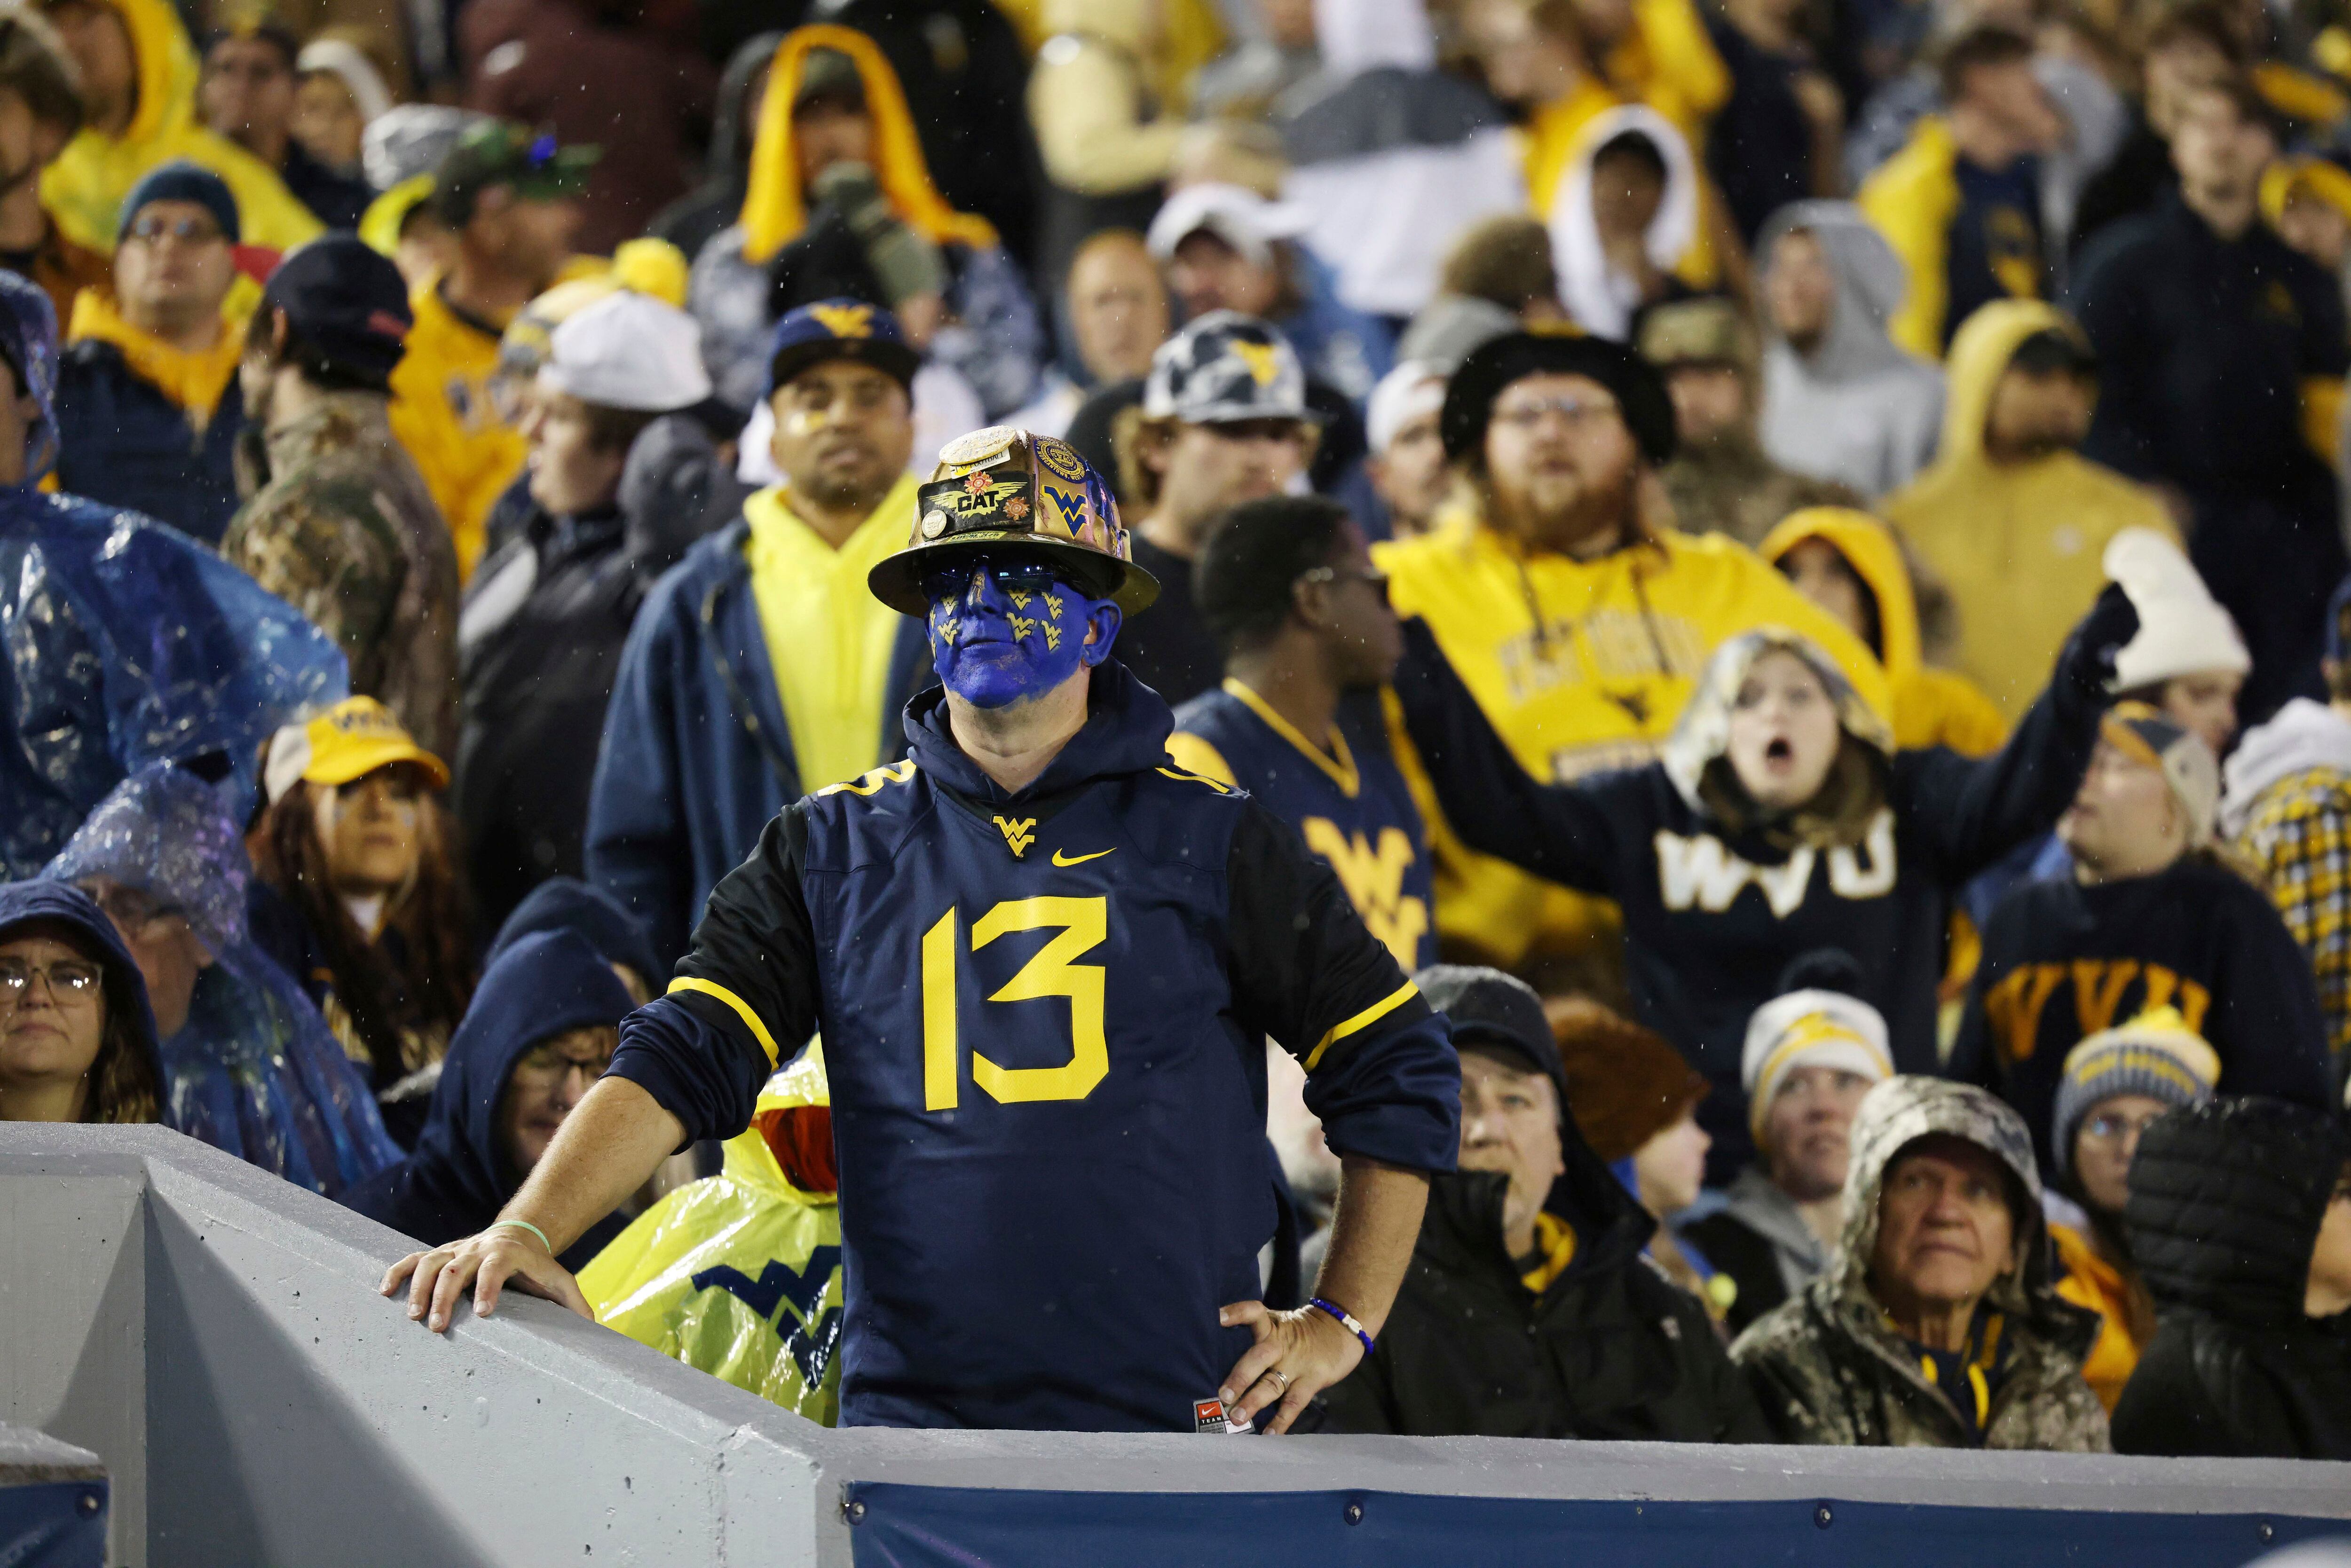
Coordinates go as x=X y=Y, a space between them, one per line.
x=125 y=641
x=253 y=1070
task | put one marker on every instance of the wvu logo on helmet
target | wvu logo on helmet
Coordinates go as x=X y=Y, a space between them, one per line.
x=845 y=320
x=1069 y=508
x=1263 y=359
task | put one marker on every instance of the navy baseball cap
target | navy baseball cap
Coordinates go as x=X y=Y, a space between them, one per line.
x=345 y=299
x=840 y=329
x=1488 y=1008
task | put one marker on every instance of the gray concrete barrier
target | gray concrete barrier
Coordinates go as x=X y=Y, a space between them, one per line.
x=214 y=1335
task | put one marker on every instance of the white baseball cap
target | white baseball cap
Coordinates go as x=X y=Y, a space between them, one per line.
x=628 y=351
x=1404 y=393
x=1233 y=213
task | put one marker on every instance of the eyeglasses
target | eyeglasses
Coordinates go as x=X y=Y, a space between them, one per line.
x=149 y=229
x=1376 y=579
x=71 y=980
x=551 y=1061
x=1576 y=412
x=1019 y=576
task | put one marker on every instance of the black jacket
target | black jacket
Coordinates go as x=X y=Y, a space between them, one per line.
x=2226 y=1201
x=1610 y=1350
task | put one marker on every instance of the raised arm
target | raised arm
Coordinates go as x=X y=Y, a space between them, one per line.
x=1491 y=802
x=1970 y=812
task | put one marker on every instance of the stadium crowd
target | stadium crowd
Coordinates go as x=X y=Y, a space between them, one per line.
x=1786 y=557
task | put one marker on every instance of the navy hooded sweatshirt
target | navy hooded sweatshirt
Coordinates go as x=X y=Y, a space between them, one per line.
x=1041 y=1016
x=567 y=904
x=126 y=989
x=459 y=1178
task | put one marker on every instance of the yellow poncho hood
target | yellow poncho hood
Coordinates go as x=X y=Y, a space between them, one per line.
x=774 y=211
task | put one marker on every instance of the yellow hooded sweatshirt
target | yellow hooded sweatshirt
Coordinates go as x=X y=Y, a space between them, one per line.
x=1931 y=707
x=1582 y=665
x=444 y=417
x=83 y=190
x=767 y=1318
x=2019 y=545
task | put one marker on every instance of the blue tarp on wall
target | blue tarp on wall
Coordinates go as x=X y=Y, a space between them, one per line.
x=947 y=1527
x=53 y=1524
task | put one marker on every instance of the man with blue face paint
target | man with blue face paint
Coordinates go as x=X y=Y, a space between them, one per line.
x=1041 y=959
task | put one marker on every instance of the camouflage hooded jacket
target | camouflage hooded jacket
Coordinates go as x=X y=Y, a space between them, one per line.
x=340 y=524
x=1827 y=1366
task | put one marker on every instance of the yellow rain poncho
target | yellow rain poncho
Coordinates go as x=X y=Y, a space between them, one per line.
x=2020 y=546
x=740 y=1275
x=85 y=187
x=773 y=210
x=1931 y=707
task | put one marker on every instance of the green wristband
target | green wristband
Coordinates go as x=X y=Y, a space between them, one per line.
x=527 y=1225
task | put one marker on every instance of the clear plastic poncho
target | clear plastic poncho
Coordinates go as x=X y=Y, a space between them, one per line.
x=122 y=642
x=254 y=1070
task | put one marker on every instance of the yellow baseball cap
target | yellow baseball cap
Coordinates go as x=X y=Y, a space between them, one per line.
x=350 y=740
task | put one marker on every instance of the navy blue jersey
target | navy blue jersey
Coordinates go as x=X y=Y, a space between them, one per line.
x=1041 y=1014
x=1350 y=804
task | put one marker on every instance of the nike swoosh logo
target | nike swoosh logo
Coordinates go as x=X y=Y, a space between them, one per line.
x=1080 y=860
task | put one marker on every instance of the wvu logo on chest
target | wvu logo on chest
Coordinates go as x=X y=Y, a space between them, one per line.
x=1702 y=873
x=2013 y=1007
x=1373 y=878
x=1017 y=836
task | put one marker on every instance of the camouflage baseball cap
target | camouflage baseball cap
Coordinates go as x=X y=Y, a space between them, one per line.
x=1008 y=492
x=1224 y=368
x=499 y=152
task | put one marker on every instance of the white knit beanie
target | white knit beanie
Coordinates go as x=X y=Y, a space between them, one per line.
x=2182 y=631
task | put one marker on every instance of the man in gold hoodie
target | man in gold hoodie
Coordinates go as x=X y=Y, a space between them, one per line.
x=2010 y=517
x=1577 y=616
x=139 y=84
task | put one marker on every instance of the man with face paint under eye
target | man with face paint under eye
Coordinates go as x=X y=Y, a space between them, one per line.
x=1040 y=958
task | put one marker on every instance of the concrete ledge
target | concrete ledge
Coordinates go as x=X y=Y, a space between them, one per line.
x=214 y=1335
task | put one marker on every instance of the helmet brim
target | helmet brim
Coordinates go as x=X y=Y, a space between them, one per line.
x=898 y=581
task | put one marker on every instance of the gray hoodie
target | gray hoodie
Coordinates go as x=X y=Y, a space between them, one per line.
x=1856 y=409
x=2303 y=736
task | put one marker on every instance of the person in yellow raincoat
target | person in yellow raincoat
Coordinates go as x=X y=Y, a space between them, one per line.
x=1851 y=565
x=138 y=78
x=2010 y=517
x=740 y=1275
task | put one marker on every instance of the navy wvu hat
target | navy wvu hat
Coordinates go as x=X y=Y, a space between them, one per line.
x=840 y=329
x=346 y=301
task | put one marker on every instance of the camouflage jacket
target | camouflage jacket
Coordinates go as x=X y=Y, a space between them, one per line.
x=1827 y=1366
x=1731 y=488
x=340 y=524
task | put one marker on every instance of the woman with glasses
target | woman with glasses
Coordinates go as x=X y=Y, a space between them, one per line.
x=358 y=897
x=2116 y=1081
x=541 y=1030
x=76 y=1042
x=248 y=1065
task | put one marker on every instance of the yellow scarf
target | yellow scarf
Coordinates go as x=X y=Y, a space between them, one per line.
x=1555 y=1243
x=195 y=382
x=773 y=211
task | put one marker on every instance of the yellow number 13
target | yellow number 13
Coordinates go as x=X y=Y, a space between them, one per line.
x=1084 y=923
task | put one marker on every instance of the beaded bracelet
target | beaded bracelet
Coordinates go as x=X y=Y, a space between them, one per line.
x=1346 y=1321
